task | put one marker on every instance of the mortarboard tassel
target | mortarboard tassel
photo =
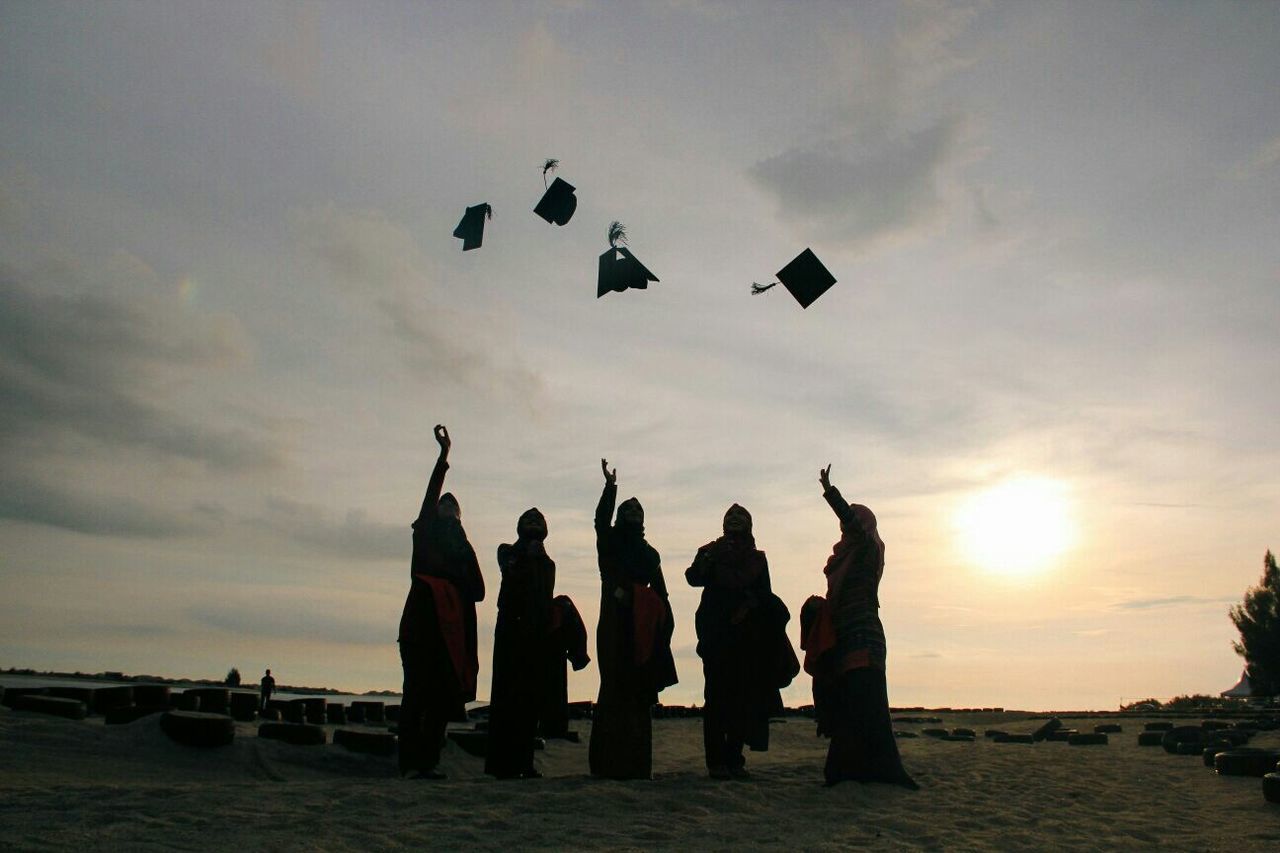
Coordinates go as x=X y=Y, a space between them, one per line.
x=558 y=202
x=617 y=232
x=757 y=289
x=619 y=269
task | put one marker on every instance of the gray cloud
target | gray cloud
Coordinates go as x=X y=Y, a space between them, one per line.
x=876 y=170
x=294 y=619
x=32 y=501
x=107 y=368
x=859 y=188
x=353 y=537
x=379 y=261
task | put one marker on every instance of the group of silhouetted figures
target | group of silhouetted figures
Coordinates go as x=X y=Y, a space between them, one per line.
x=741 y=628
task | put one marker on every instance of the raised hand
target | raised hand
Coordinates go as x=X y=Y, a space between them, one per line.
x=442 y=436
x=610 y=477
x=824 y=477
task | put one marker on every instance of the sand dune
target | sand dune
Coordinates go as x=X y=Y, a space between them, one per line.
x=81 y=784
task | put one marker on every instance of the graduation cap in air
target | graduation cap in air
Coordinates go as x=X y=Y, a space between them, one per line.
x=471 y=229
x=558 y=203
x=619 y=269
x=805 y=277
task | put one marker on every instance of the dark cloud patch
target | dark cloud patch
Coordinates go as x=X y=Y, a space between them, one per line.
x=354 y=536
x=107 y=368
x=108 y=515
x=863 y=186
x=293 y=619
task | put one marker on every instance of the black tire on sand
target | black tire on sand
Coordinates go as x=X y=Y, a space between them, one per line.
x=1183 y=734
x=373 y=743
x=195 y=728
x=1246 y=762
x=472 y=743
x=298 y=734
x=374 y=712
x=213 y=700
x=244 y=706
x=1271 y=787
x=151 y=695
x=58 y=706
x=1050 y=726
x=12 y=694
x=1081 y=739
x=120 y=716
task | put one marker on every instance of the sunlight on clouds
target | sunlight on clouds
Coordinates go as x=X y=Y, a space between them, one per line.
x=1017 y=528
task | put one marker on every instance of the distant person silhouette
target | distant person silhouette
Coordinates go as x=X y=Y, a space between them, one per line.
x=521 y=649
x=742 y=641
x=267 y=686
x=846 y=652
x=633 y=640
x=438 y=626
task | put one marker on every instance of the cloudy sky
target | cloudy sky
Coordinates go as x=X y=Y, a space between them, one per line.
x=231 y=310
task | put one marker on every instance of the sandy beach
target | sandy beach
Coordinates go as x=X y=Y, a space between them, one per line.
x=85 y=785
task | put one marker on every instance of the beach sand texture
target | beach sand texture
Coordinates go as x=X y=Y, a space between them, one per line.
x=87 y=786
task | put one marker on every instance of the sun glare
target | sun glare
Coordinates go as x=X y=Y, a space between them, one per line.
x=1017 y=528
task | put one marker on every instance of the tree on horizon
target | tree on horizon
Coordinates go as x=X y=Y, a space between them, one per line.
x=1257 y=619
x=233 y=677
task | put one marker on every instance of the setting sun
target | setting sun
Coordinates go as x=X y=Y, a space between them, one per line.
x=1016 y=528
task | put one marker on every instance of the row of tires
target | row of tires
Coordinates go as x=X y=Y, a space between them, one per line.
x=200 y=729
x=1191 y=740
x=1223 y=749
x=125 y=703
x=1255 y=725
x=1063 y=735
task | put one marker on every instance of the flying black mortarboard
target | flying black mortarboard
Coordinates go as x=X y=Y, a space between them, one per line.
x=558 y=203
x=805 y=277
x=471 y=229
x=619 y=269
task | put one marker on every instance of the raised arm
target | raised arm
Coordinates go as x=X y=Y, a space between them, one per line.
x=837 y=502
x=604 y=509
x=436 y=484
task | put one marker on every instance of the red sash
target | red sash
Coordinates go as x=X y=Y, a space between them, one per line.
x=453 y=630
x=817 y=637
x=648 y=612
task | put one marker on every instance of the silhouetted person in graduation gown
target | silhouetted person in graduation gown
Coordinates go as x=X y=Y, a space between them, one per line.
x=521 y=650
x=438 y=626
x=633 y=640
x=742 y=642
x=846 y=652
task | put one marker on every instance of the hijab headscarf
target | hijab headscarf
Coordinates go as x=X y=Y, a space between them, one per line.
x=858 y=530
x=733 y=554
x=529 y=516
x=630 y=529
